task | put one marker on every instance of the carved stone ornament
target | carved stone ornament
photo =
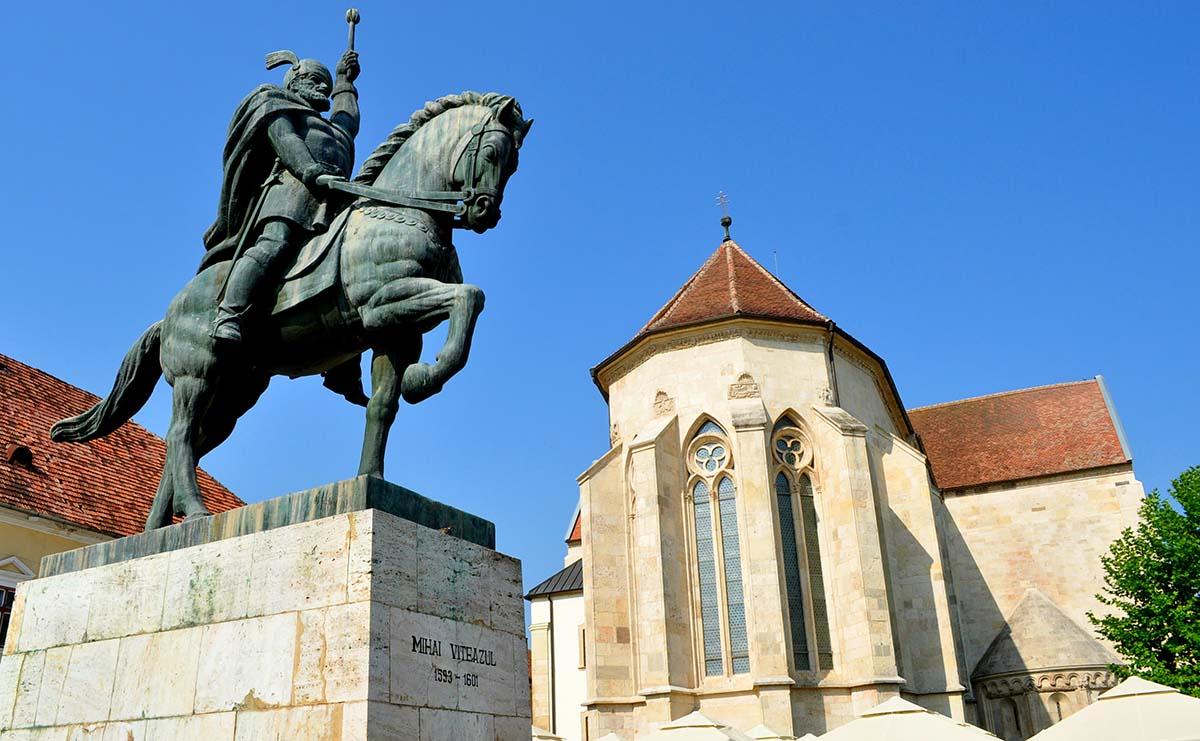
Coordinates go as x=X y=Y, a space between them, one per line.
x=744 y=388
x=664 y=406
x=614 y=435
x=825 y=396
x=1011 y=686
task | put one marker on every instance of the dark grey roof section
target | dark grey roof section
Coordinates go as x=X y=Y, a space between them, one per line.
x=570 y=579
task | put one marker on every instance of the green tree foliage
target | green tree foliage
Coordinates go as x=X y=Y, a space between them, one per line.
x=1152 y=584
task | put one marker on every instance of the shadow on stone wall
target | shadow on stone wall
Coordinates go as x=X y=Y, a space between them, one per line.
x=908 y=569
x=1012 y=718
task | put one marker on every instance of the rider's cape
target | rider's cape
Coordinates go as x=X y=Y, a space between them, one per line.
x=247 y=160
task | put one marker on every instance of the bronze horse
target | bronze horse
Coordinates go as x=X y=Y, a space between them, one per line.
x=384 y=275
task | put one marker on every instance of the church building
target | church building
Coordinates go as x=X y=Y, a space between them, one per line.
x=775 y=541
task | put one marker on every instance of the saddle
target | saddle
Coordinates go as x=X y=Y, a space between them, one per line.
x=315 y=269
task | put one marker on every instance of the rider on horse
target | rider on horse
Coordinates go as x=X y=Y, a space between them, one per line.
x=278 y=145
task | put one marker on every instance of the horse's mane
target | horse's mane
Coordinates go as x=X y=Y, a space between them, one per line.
x=496 y=101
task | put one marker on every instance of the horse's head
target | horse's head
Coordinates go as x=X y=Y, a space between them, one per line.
x=487 y=157
x=464 y=144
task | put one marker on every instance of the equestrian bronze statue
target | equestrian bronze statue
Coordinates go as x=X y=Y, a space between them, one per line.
x=305 y=270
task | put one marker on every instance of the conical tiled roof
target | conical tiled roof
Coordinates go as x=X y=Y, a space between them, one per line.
x=1039 y=636
x=731 y=283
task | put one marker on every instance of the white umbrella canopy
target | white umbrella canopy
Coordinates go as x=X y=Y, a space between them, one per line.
x=900 y=720
x=764 y=733
x=1134 y=710
x=694 y=727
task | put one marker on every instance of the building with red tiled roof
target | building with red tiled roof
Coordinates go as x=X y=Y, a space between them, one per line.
x=773 y=538
x=60 y=496
x=730 y=283
x=1023 y=434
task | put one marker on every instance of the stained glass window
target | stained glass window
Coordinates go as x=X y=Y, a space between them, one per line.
x=816 y=582
x=791 y=571
x=710 y=618
x=710 y=428
x=731 y=553
x=784 y=422
x=711 y=458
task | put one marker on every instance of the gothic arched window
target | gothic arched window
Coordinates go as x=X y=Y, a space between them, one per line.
x=801 y=549
x=713 y=492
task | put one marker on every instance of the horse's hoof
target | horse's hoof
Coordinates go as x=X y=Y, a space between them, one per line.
x=418 y=383
x=197 y=515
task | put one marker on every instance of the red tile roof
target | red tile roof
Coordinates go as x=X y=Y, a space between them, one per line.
x=1019 y=434
x=731 y=283
x=105 y=485
x=576 y=535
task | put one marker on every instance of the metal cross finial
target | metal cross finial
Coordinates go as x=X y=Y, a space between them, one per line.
x=726 y=221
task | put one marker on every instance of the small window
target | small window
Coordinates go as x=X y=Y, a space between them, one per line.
x=582 y=647
x=7 y=596
x=1059 y=706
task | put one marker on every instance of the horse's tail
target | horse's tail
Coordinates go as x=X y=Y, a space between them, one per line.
x=135 y=382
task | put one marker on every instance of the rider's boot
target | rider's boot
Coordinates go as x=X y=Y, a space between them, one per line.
x=247 y=274
x=250 y=272
x=346 y=379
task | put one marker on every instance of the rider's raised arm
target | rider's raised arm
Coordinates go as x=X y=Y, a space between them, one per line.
x=344 y=113
x=293 y=152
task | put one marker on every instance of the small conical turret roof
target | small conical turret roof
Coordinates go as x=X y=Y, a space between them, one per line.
x=733 y=285
x=1038 y=635
x=730 y=284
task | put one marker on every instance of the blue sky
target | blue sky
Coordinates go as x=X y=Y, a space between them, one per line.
x=990 y=195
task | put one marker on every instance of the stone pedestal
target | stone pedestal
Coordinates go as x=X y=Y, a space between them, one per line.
x=354 y=611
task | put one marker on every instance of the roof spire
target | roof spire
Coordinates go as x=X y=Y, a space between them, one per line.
x=726 y=221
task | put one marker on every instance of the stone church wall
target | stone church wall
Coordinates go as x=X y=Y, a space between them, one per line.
x=1047 y=533
x=919 y=599
x=860 y=392
x=606 y=570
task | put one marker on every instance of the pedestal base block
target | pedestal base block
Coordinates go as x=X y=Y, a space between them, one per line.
x=349 y=626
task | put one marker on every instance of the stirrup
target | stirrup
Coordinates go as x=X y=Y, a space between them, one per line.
x=228 y=328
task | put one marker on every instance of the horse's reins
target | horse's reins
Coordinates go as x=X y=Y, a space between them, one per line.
x=454 y=202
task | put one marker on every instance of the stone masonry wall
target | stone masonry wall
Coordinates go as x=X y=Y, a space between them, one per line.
x=1046 y=533
x=302 y=632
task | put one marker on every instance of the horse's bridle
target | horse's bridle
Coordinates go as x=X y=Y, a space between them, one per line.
x=454 y=202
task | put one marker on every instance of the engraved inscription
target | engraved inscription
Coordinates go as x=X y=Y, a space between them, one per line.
x=461 y=653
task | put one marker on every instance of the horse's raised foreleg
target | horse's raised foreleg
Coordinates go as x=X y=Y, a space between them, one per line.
x=386 y=367
x=426 y=303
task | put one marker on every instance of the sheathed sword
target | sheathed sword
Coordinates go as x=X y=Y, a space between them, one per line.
x=248 y=226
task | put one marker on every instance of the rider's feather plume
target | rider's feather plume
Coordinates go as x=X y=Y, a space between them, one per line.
x=282 y=57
